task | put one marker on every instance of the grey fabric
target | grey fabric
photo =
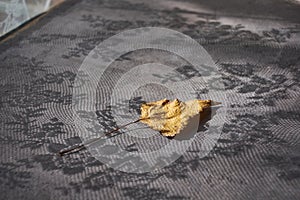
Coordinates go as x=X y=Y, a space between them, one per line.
x=256 y=48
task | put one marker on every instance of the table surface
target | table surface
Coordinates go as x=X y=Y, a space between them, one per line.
x=255 y=45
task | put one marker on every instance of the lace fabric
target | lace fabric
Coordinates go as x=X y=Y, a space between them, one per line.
x=258 y=54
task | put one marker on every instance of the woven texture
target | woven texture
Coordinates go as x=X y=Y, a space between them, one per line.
x=256 y=47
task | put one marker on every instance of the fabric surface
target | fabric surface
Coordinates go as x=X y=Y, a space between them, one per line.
x=255 y=45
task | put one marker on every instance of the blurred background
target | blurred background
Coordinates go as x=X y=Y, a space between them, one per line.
x=14 y=13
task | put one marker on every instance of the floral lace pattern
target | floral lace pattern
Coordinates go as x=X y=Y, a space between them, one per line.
x=257 y=155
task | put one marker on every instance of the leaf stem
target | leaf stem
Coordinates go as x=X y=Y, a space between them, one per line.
x=75 y=149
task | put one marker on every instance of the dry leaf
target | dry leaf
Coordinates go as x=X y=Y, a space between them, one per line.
x=170 y=117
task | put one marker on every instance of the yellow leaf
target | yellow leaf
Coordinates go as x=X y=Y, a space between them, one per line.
x=170 y=117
